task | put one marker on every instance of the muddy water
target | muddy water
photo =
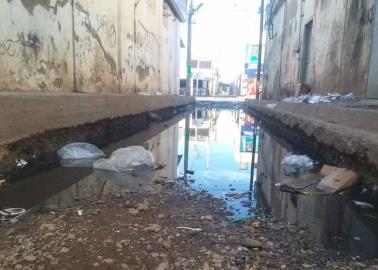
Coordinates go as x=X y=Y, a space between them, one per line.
x=219 y=155
x=64 y=186
x=335 y=220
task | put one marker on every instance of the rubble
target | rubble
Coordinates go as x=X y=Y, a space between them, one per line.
x=167 y=232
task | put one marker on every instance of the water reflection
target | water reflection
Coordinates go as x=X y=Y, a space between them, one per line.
x=62 y=187
x=334 y=219
x=219 y=155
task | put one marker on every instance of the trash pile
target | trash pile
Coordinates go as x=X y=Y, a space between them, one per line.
x=300 y=174
x=330 y=98
x=130 y=168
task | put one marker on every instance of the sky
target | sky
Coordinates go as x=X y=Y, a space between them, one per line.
x=221 y=30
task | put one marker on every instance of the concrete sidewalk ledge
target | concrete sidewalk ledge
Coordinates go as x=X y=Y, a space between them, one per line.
x=334 y=134
x=349 y=116
x=36 y=125
x=25 y=114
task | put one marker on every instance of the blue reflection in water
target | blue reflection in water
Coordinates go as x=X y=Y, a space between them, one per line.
x=220 y=146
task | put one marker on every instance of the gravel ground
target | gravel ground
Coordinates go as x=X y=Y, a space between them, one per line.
x=167 y=226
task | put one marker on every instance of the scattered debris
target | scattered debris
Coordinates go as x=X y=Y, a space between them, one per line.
x=79 y=151
x=154 y=116
x=13 y=215
x=3 y=183
x=79 y=212
x=256 y=224
x=252 y=243
x=153 y=228
x=339 y=179
x=190 y=229
x=298 y=161
x=316 y=99
x=363 y=205
x=271 y=105
x=12 y=212
x=21 y=163
x=297 y=164
x=327 y=170
x=126 y=159
x=298 y=183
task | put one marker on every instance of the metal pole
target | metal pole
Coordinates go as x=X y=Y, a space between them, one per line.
x=186 y=150
x=253 y=155
x=188 y=87
x=262 y=10
x=189 y=52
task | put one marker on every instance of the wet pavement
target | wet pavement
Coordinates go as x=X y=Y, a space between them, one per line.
x=218 y=195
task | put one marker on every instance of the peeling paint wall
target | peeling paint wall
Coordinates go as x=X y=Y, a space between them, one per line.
x=118 y=46
x=340 y=46
x=36 y=45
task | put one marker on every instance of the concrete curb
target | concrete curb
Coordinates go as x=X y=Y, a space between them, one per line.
x=36 y=125
x=25 y=114
x=348 y=131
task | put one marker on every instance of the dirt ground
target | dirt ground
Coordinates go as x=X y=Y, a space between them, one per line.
x=142 y=231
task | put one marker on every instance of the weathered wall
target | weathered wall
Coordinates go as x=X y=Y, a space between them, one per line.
x=36 y=45
x=89 y=46
x=340 y=46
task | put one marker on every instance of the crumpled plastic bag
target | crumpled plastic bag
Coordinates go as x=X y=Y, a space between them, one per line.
x=79 y=151
x=295 y=165
x=298 y=161
x=125 y=159
x=315 y=99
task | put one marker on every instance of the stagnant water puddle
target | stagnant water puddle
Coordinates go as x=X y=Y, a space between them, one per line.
x=219 y=162
x=220 y=155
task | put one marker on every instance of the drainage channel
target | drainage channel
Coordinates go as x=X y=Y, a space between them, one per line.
x=219 y=164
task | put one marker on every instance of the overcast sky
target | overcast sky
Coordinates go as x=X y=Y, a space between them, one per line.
x=222 y=29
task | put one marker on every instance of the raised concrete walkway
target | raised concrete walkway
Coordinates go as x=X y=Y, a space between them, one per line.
x=345 y=134
x=35 y=125
x=26 y=114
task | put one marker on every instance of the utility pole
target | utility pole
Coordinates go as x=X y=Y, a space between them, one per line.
x=262 y=10
x=189 y=82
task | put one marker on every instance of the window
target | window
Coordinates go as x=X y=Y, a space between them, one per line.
x=306 y=54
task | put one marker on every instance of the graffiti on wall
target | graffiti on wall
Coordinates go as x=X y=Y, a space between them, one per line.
x=147 y=52
x=101 y=34
x=13 y=47
x=103 y=27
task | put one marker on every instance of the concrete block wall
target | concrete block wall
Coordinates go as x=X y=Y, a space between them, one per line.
x=113 y=46
x=340 y=46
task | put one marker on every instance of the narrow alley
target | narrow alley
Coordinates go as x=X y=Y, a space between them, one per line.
x=175 y=134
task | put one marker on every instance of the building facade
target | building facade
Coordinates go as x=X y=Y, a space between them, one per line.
x=205 y=76
x=330 y=46
x=114 y=46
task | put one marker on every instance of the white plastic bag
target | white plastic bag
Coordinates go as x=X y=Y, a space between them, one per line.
x=79 y=151
x=125 y=159
x=298 y=161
